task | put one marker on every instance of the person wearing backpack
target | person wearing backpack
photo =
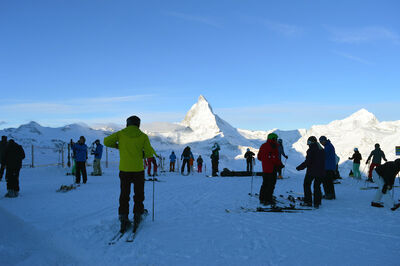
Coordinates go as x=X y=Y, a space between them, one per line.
x=186 y=156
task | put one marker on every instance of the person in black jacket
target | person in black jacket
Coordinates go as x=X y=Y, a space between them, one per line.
x=384 y=176
x=377 y=155
x=315 y=164
x=356 y=163
x=13 y=160
x=249 y=155
x=3 y=145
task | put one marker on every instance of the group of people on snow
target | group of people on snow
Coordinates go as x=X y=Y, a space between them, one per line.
x=11 y=156
x=80 y=156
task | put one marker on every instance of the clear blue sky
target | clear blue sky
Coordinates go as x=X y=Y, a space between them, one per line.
x=260 y=64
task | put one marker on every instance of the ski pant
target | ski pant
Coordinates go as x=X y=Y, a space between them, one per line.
x=329 y=187
x=371 y=168
x=267 y=187
x=356 y=170
x=126 y=179
x=249 y=167
x=185 y=162
x=2 y=168
x=214 y=166
x=199 y=168
x=172 y=166
x=379 y=194
x=97 y=167
x=317 y=190
x=80 y=167
x=150 y=161
x=12 y=178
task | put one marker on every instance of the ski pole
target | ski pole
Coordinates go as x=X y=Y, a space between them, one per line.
x=153 y=196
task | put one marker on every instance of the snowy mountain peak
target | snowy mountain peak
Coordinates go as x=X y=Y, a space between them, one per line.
x=201 y=116
x=362 y=116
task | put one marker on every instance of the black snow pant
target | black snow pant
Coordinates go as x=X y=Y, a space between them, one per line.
x=126 y=179
x=317 y=190
x=214 y=165
x=329 y=188
x=267 y=188
x=2 y=168
x=12 y=178
x=185 y=162
x=249 y=167
x=80 y=167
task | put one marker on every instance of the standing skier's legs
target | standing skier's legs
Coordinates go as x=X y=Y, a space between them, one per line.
x=199 y=168
x=138 y=188
x=379 y=194
x=78 y=169
x=125 y=190
x=2 y=168
x=356 y=170
x=307 y=189
x=96 y=167
x=214 y=164
x=371 y=168
x=317 y=192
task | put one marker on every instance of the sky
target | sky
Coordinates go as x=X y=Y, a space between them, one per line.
x=260 y=64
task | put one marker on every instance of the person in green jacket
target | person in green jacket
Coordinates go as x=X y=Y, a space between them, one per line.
x=132 y=144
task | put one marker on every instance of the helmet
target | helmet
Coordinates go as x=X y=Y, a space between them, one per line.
x=377 y=145
x=133 y=121
x=272 y=136
x=248 y=149
x=355 y=149
x=311 y=140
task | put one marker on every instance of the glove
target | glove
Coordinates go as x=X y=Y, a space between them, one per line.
x=349 y=158
x=298 y=168
x=286 y=157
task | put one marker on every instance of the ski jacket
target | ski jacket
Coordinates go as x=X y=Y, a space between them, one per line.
x=14 y=155
x=249 y=156
x=315 y=161
x=356 y=157
x=388 y=172
x=330 y=156
x=281 y=151
x=215 y=152
x=172 y=157
x=3 y=146
x=133 y=144
x=199 y=161
x=80 y=152
x=186 y=154
x=98 y=152
x=269 y=156
x=377 y=156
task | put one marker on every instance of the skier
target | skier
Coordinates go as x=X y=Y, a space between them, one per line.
x=356 y=157
x=151 y=161
x=215 y=159
x=281 y=152
x=315 y=164
x=384 y=176
x=3 y=145
x=98 y=152
x=81 y=155
x=249 y=155
x=14 y=155
x=269 y=156
x=132 y=143
x=186 y=156
x=330 y=168
x=377 y=155
x=172 y=159
x=199 y=164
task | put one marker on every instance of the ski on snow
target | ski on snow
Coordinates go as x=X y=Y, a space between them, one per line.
x=284 y=209
x=136 y=228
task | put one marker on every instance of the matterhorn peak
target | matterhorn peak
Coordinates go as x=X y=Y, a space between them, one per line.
x=201 y=117
x=362 y=116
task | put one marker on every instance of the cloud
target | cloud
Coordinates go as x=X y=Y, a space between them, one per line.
x=283 y=29
x=353 y=58
x=194 y=18
x=362 y=35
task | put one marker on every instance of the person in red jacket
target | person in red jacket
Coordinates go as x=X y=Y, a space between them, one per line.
x=271 y=163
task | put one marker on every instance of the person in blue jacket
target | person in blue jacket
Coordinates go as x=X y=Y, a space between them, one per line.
x=98 y=152
x=81 y=154
x=330 y=168
x=172 y=159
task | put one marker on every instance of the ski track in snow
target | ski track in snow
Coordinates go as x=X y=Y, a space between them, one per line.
x=191 y=225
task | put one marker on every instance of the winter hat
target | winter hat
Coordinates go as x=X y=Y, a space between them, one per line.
x=82 y=138
x=311 y=140
x=133 y=121
x=272 y=136
x=355 y=149
x=248 y=149
x=322 y=138
x=377 y=145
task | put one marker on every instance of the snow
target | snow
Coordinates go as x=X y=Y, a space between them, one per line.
x=43 y=227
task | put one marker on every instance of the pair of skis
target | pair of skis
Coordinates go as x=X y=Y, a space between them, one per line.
x=130 y=232
x=282 y=209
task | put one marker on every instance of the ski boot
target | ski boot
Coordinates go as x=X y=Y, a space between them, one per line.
x=125 y=223
x=376 y=204
x=395 y=207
